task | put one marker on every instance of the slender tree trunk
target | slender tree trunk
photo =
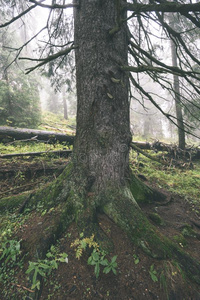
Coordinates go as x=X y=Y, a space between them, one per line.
x=65 y=105
x=103 y=133
x=147 y=125
x=9 y=96
x=65 y=109
x=179 y=115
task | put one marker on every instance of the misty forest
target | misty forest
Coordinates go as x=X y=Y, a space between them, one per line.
x=99 y=149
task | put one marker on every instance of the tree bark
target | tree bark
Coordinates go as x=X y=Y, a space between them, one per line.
x=103 y=134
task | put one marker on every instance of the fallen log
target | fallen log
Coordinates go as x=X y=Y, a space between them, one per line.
x=10 y=133
x=172 y=149
x=60 y=153
x=23 y=134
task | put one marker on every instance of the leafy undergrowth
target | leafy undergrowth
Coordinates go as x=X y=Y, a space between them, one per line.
x=76 y=268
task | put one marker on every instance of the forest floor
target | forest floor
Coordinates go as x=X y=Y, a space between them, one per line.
x=138 y=276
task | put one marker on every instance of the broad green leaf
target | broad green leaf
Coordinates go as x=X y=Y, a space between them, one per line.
x=114 y=259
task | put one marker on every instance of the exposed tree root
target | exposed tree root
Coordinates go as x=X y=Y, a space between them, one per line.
x=126 y=213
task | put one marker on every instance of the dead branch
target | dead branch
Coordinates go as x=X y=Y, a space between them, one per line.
x=65 y=153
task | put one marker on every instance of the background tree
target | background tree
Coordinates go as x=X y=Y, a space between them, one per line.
x=19 y=95
x=180 y=25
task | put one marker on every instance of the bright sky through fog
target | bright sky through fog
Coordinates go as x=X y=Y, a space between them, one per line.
x=42 y=13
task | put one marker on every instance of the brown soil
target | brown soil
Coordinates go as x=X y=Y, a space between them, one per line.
x=76 y=280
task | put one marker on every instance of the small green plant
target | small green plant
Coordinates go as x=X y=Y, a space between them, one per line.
x=97 y=257
x=10 y=249
x=10 y=263
x=111 y=266
x=82 y=243
x=136 y=259
x=188 y=231
x=44 y=267
x=153 y=273
x=9 y=225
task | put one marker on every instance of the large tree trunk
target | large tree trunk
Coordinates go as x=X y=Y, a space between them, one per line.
x=103 y=134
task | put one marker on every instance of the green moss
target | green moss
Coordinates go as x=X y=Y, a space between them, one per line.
x=44 y=198
x=52 y=194
x=125 y=212
x=142 y=193
x=12 y=202
x=180 y=240
x=188 y=231
x=179 y=180
x=156 y=219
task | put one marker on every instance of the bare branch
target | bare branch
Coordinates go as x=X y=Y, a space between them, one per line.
x=19 y=50
x=167 y=115
x=192 y=19
x=44 y=61
x=145 y=68
x=54 y=6
x=164 y=7
x=18 y=16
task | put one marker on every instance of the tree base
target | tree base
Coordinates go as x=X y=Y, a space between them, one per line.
x=70 y=199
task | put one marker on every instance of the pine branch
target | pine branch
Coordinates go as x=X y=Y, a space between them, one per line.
x=44 y=61
x=172 y=70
